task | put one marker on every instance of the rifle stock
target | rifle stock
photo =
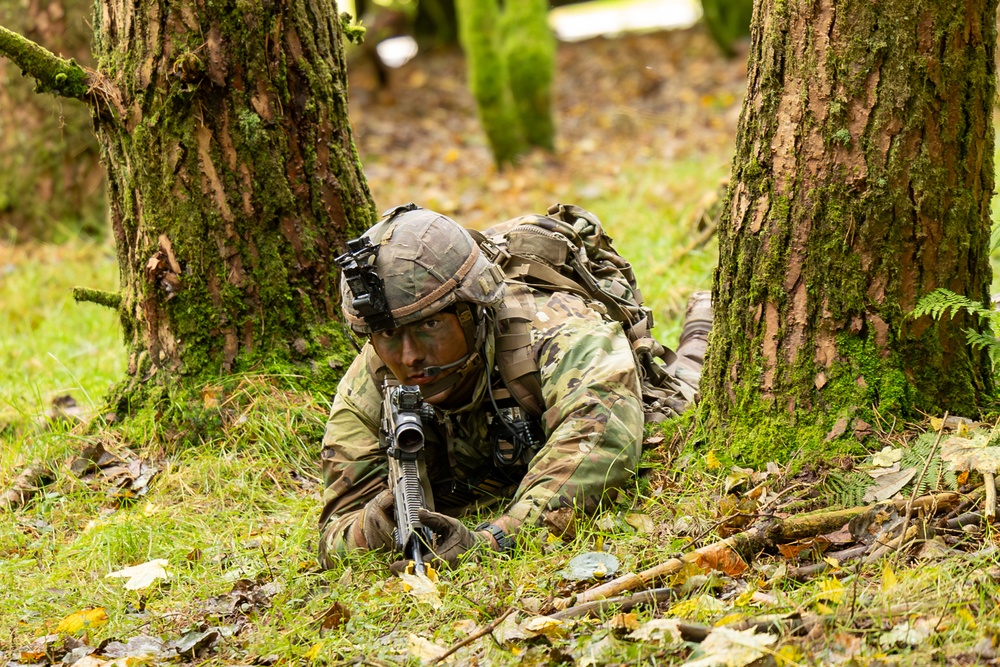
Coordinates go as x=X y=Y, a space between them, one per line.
x=402 y=438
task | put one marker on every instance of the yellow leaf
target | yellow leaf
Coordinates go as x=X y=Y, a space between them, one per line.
x=746 y=597
x=966 y=616
x=789 y=655
x=451 y=156
x=424 y=649
x=936 y=423
x=831 y=590
x=313 y=652
x=889 y=579
x=712 y=461
x=730 y=618
x=85 y=618
x=832 y=562
x=552 y=628
x=824 y=608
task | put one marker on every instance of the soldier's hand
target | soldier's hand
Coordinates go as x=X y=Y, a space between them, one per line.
x=377 y=523
x=452 y=537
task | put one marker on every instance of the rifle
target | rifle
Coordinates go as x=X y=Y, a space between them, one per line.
x=402 y=438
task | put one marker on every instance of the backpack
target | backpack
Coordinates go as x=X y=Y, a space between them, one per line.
x=567 y=250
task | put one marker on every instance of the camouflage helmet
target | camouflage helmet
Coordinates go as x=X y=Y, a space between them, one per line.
x=426 y=262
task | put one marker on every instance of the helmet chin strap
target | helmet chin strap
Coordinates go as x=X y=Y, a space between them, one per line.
x=474 y=328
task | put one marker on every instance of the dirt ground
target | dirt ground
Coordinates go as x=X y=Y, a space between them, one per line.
x=621 y=104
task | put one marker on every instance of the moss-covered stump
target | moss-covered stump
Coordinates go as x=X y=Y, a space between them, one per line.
x=862 y=181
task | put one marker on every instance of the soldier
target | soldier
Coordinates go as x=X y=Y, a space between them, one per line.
x=442 y=334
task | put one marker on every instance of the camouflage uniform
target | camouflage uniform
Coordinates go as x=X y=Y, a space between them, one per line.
x=592 y=424
x=592 y=430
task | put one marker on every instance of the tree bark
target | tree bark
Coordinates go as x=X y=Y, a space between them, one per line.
x=233 y=180
x=862 y=181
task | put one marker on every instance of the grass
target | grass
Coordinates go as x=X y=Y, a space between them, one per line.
x=236 y=521
x=236 y=517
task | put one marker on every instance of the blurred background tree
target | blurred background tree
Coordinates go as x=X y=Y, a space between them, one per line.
x=52 y=184
x=727 y=21
x=511 y=62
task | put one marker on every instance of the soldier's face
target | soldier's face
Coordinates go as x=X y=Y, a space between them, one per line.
x=437 y=340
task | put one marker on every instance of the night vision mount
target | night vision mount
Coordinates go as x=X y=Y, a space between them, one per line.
x=358 y=265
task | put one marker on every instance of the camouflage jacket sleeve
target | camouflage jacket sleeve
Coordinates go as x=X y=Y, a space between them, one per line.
x=594 y=421
x=354 y=470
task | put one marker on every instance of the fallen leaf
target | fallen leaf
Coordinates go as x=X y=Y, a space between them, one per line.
x=658 y=631
x=889 y=579
x=838 y=430
x=887 y=457
x=334 y=617
x=701 y=608
x=590 y=565
x=546 y=626
x=313 y=652
x=421 y=587
x=889 y=485
x=831 y=589
x=509 y=631
x=732 y=648
x=908 y=633
x=712 y=461
x=971 y=453
x=466 y=626
x=641 y=522
x=599 y=653
x=721 y=558
x=142 y=576
x=623 y=622
x=83 y=619
x=423 y=649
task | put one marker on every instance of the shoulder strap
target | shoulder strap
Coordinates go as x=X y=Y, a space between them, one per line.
x=515 y=358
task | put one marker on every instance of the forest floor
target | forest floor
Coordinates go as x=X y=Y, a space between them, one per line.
x=138 y=552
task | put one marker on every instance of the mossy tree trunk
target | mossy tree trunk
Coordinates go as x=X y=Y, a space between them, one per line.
x=479 y=34
x=52 y=182
x=861 y=182
x=529 y=51
x=232 y=179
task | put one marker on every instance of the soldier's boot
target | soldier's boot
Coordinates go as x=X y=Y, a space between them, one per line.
x=694 y=338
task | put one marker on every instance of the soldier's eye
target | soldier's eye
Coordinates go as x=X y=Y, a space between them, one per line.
x=431 y=323
x=388 y=334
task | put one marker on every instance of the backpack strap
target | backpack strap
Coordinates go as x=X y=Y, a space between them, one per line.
x=515 y=357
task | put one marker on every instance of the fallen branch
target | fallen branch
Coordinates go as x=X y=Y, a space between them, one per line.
x=726 y=553
x=622 y=603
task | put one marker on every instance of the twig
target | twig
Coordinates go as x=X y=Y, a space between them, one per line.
x=751 y=541
x=990 y=483
x=623 y=602
x=112 y=300
x=806 y=571
x=475 y=635
x=920 y=478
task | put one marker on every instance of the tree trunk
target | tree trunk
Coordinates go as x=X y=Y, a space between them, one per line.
x=233 y=180
x=479 y=33
x=862 y=181
x=529 y=51
x=52 y=182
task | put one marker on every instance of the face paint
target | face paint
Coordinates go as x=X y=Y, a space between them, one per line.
x=437 y=340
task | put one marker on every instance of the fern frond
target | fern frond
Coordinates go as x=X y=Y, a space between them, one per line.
x=980 y=341
x=943 y=302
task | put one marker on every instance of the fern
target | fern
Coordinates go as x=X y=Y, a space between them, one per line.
x=847 y=489
x=942 y=302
